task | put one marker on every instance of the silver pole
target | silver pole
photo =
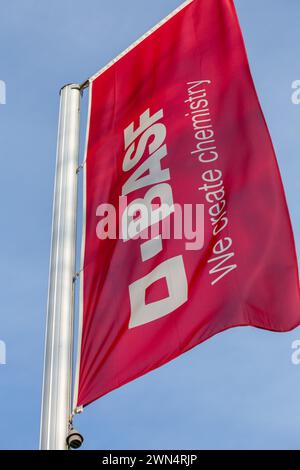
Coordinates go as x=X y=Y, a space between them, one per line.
x=57 y=383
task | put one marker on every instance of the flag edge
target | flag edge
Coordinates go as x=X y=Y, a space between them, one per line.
x=140 y=40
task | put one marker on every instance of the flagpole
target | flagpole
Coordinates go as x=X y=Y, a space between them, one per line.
x=57 y=383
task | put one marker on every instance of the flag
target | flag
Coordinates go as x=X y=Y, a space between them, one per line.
x=176 y=139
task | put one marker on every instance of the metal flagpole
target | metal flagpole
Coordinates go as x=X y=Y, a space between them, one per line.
x=57 y=383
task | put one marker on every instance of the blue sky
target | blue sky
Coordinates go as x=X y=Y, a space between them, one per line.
x=237 y=390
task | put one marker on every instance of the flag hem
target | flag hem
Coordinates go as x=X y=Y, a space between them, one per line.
x=81 y=276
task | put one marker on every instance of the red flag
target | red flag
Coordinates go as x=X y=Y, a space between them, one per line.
x=176 y=121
